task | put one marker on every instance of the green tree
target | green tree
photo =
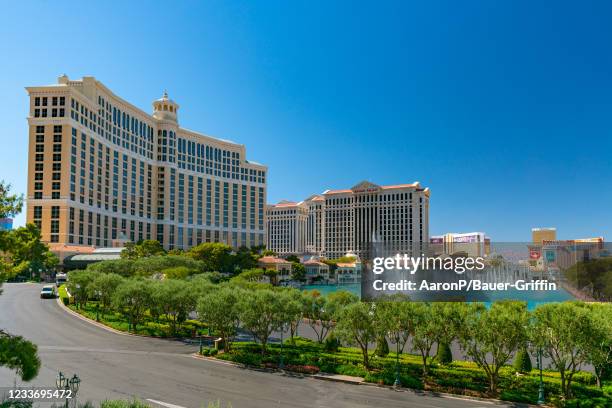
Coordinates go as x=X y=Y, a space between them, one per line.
x=244 y=258
x=261 y=314
x=215 y=256
x=220 y=310
x=320 y=318
x=425 y=331
x=10 y=204
x=382 y=347
x=293 y=311
x=522 y=361
x=78 y=285
x=444 y=355
x=176 y=300
x=132 y=299
x=298 y=272
x=599 y=348
x=16 y=353
x=142 y=249
x=103 y=288
x=357 y=326
x=394 y=319
x=491 y=336
x=177 y=272
x=27 y=251
x=292 y=258
x=564 y=331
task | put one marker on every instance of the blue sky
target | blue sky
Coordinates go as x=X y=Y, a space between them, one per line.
x=503 y=109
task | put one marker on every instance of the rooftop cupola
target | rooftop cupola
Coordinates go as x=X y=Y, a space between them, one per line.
x=165 y=108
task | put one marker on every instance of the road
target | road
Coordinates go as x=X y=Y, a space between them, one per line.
x=115 y=366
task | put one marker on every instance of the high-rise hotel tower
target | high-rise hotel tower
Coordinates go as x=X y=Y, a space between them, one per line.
x=102 y=171
x=338 y=222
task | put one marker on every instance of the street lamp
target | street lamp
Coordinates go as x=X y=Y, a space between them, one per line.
x=281 y=365
x=98 y=295
x=541 y=399
x=397 y=383
x=68 y=384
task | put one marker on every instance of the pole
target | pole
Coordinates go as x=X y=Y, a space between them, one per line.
x=200 y=344
x=397 y=382
x=541 y=399
x=281 y=365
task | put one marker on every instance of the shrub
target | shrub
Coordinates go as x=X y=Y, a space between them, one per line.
x=66 y=301
x=332 y=344
x=444 y=355
x=382 y=347
x=522 y=361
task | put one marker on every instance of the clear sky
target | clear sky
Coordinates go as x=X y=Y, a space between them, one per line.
x=502 y=108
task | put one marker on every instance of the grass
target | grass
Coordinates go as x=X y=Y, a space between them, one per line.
x=459 y=377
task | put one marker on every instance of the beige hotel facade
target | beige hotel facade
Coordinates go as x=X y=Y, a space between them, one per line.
x=102 y=171
x=340 y=222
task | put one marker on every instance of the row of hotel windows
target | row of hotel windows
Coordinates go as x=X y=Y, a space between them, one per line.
x=137 y=195
x=39 y=162
x=137 y=230
x=137 y=136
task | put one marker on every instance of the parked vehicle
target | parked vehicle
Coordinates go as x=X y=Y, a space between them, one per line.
x=60 y=279
x=47 y=292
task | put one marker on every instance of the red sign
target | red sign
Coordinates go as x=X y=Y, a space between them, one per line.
x=534 y=254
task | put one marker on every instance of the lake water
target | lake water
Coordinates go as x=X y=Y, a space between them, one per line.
x=533 y=299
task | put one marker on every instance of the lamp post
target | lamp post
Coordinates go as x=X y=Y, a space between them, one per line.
x=68 y=384
x=541 y=399
x=281 y=364
x=397 y=383
x=98 y=294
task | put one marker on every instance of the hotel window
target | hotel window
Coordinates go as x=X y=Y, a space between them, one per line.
x=40 y=138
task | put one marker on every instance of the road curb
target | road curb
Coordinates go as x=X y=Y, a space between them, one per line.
x=364 y=383
x=93 y=322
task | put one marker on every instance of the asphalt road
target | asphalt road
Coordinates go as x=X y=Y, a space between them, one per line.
x=114 y=366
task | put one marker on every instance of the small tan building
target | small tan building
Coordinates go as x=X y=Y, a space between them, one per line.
x=272 y=263
x=316 y=271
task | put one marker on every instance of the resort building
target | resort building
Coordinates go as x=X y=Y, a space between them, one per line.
x=316 y=271
x=348 y=273
x=473 y=244
x=338 y=222
x=102 y=171
x=286 y=226
x=282 y=266
x=538 y=235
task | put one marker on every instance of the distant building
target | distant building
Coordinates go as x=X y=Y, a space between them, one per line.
x=316 y=271
x=337 y=222
x=473 y=244
x=272 y=263
x=538 y=235
x=348 y=273
x=6 y=224
x=286 y=227
x=563 y=254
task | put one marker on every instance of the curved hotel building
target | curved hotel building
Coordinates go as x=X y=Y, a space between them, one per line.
x=101 y=171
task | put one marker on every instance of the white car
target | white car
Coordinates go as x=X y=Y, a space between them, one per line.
x=48 y=291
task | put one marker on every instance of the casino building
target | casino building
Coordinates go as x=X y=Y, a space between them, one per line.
x=102 y=171
x=340 y=222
